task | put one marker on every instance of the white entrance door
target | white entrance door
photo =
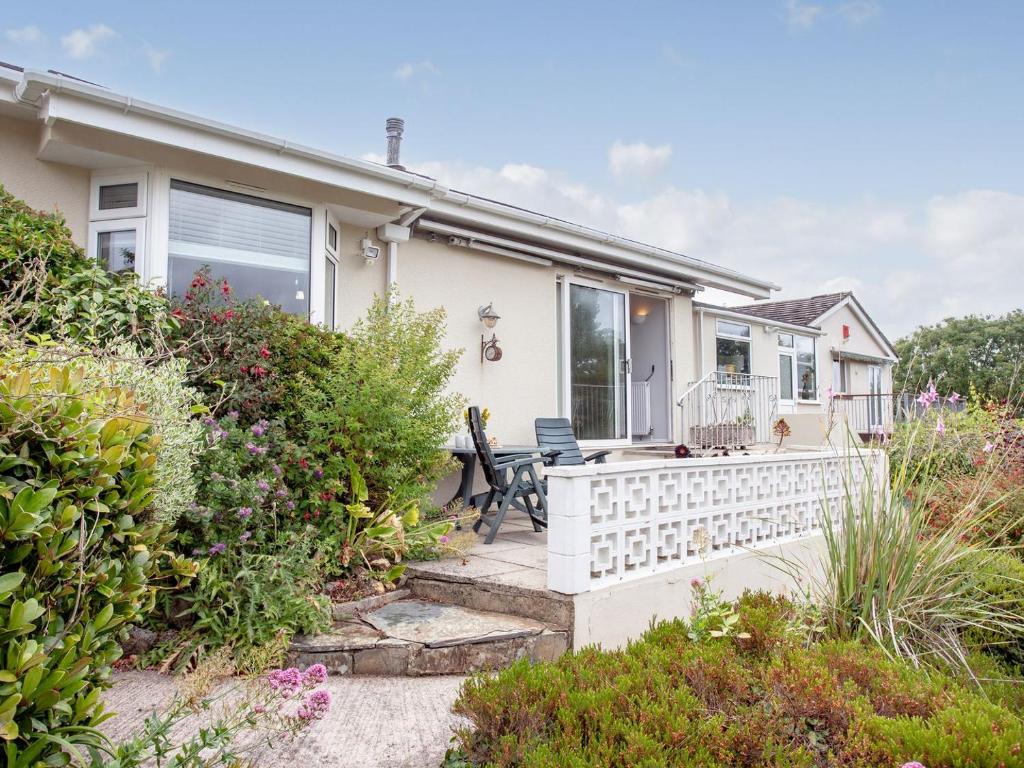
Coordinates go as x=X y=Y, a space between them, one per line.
x=597 y=363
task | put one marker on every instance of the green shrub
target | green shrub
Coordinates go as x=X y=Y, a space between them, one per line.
x=245 y=599
x=81 y=557
x=1000 y=580
x=381 y=403
x=48 y=285
x=666 y=700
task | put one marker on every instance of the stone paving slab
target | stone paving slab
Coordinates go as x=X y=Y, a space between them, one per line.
x=346 y=636
x=374 y=722
x=436 y=626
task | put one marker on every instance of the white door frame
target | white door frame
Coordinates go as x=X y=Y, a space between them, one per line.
x=566 y=365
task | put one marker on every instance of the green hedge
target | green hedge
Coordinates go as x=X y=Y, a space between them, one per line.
x=757 y=697
x=79 y=559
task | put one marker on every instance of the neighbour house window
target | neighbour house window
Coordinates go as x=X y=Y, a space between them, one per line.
x=261 y=247
x=841 y=376
x=806 y=373
x=732 y=350
x=798 y=377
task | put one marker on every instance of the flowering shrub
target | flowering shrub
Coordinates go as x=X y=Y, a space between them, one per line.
x=81 y=557
x=246 y=355
x=251 y=713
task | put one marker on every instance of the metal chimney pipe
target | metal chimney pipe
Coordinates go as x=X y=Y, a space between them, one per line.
x=395 y=126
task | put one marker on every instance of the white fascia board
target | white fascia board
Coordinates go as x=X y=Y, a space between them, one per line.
x=717 y=311
x=527 y=225
x=87 y=104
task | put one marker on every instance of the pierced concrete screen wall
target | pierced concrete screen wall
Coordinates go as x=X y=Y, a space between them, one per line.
x=616 y=522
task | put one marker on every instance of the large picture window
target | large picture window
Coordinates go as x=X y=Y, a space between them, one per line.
x=798 y=375
x=260 y=246
x=598 y=363
x=732 y=349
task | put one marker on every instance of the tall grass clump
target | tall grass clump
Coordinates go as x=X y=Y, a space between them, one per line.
x=891 y=577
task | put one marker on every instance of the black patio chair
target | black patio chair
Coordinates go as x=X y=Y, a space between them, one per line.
x=512 y=479
x=557 y=435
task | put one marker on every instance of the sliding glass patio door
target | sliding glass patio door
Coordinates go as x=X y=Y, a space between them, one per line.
x=598 y=362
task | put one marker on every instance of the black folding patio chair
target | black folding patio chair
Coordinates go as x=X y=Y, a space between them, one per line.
x=557 y=435
x=512 y=479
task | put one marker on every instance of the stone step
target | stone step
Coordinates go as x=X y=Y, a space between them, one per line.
x=417 y=637
x=432 y=581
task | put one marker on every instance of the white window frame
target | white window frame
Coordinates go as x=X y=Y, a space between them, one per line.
x=749 y=339
x=330 y=254
x=793 y=353
x=840 y=384
x=108 y=180
x=97 y=228
x=565 y=364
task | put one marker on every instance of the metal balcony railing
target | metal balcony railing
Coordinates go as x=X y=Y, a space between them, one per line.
x=729 y=410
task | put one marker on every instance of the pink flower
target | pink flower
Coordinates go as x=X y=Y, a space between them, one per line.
x=246 y=535
x=912 y=764
x=988 y=447
x=245 y=513
x=218 y=548
x=443 y=540
x=696 y=583
x=263 y=485
x=955 y=398
x=285 y=681
x=315 y=674
x=940 y=426
x=315 y=706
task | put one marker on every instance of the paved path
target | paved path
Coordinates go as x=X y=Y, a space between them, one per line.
x=374 y=722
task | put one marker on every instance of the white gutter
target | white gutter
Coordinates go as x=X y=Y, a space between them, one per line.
x=34 y=84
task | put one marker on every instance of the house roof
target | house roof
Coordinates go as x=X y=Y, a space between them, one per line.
x=794 y=311
x=131 y=117
x=809 y=312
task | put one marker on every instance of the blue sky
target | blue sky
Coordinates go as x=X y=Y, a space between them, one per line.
x=863 y=144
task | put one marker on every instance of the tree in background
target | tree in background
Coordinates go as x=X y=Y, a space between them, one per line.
x=986 y=352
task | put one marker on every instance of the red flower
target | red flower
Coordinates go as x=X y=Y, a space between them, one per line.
x=265 y=352
x=225 y=289
x=229 y=314
x=178 y=313
x=259 y=371
x=198 y=281
x=326 y=496
x=244 y=368
x=304 y=463
x=306 y=516
x=188 y=296
x=216 y=318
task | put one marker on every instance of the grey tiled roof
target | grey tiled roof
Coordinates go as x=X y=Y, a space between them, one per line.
x=794 y=311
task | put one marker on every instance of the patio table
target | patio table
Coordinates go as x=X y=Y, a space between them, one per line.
x=468 y=458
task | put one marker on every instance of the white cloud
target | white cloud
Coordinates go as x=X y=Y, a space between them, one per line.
x=856 y=12
x=410 y=70
x=948 y=255
x=83 y=43
x=25 y=36
x=801 y=15
x=156 y=58
x=640 y=159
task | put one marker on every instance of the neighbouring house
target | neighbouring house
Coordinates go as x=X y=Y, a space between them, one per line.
x=595 y=327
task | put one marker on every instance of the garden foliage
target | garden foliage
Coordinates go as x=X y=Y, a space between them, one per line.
x=731 y=700
x=81 y=556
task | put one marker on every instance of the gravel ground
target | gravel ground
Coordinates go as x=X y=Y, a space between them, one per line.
x=374 y=722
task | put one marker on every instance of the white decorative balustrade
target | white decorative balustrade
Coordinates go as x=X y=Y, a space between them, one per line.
x=616 y=522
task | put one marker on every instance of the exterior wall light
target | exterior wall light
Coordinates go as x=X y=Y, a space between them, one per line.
x=488 y=316
x=489 y=349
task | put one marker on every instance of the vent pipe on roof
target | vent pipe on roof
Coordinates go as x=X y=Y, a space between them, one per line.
x=395 y=126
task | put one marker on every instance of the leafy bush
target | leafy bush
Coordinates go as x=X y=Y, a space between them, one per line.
x=666 y=700
x=48 y=285
x=246 y=355
x=381 y=404
x=1000 y=579
x=80 y=557
x=245 y=599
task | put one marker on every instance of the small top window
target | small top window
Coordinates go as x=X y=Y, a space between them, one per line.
x=785 y=339
x=116 y=196
x=739 y=330
x=332 y=237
